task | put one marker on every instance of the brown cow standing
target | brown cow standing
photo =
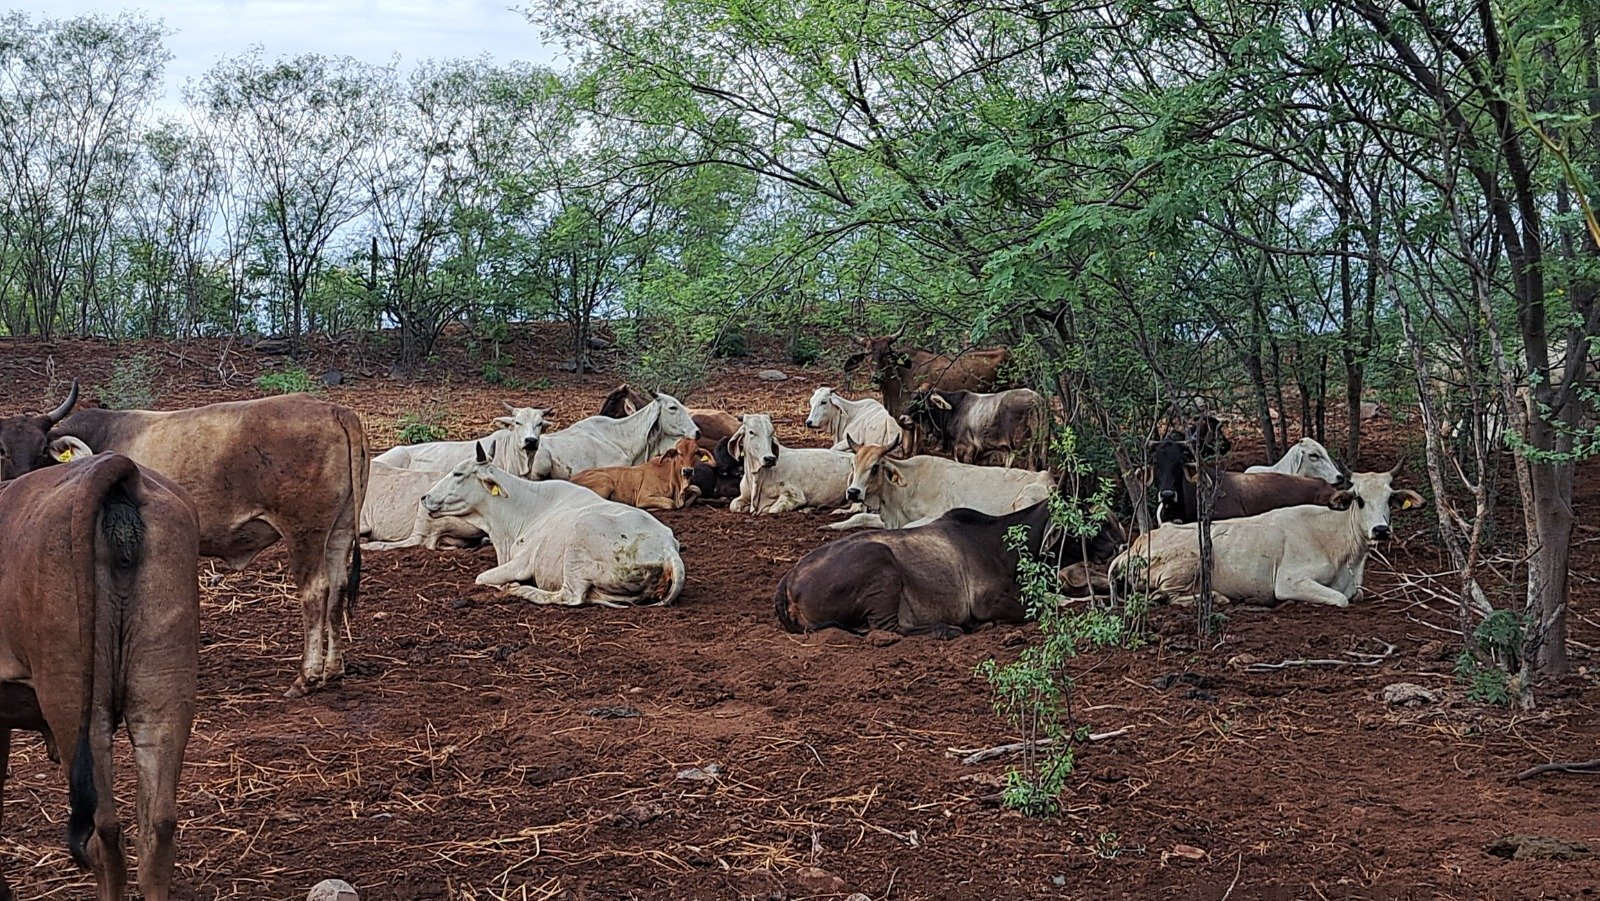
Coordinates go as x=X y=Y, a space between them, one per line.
x=99 y=623
x=292 y=468
x=898 y=372
x=658 y=484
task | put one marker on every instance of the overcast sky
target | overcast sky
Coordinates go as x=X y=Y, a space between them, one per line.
x=202 y=31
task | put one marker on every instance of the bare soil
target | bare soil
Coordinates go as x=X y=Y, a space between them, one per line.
x=475 y=749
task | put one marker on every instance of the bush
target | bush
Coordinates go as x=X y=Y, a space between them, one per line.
x=730 y=344
x=805 y=350
x=669 y=361
x=288 y=381
x=498 y=372
x=422 y=426
x=132 y=385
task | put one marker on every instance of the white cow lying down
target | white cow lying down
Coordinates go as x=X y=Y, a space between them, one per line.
x=917 y=490
x=560 y=543
x=1306 y=458
x=392 y=514
x=511 y=447
x=778 y=479
x=1304 y=553
x=600 y=441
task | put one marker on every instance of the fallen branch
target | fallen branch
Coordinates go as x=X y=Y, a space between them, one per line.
x=974 y=755
x=1586 y=768
x=1369 y=660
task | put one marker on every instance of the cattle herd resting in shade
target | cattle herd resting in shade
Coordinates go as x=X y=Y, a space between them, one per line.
x=107 y=513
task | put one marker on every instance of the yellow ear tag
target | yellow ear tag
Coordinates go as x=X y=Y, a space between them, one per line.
x=64 y=455
x=495 y=490
x=1406 y=504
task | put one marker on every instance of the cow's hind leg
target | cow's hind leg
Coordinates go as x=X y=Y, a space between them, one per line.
x=158 y=744
x=105 y=846
x=307 y=564
x=534 y=594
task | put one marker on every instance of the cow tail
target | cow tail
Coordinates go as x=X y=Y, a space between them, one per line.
x=360 y=469
x=781 y=603
x=108 y=534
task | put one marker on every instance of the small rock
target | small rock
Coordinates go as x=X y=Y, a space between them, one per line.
x=564 y=365
x=820 y=881
x=332 y=377
x=879 y=638
x=1194 y=680
x=772 y=375
x=1240 y=661
x=711 y=772
x=333 y=890
x=1369 y=410
x=462 y=604
x=613 y=713
x=639 y=814
x=857 y=897
x=1407 y=694
x=1058 y=880
x=1538 y=847
x=1188 y=852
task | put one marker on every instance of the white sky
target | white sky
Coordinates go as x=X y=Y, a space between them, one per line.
x=375 y=31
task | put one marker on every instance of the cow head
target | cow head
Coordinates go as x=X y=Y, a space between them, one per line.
x=467 y=488
x=25 y=440
x=673 y=419
x=869 y=470
x=1204 y=433
x=931 y=408
x=823 y=408
x=1309 y=458
x=719 y=477
x=526 y=425
x=624 y=400
x=880 y=351
x=1170 y=461
x=684 y=454
x=756 y=440
x=1371 y=499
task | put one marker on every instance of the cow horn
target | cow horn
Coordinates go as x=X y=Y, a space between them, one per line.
x=509 y=408
x=60 y=413
x=891 y=446
x=482 y=457
x=901 y=333
x=1398 y=466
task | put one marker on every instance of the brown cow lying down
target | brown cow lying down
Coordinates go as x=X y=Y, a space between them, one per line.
x=941 y=578
x=660 y=484
x=100 y=625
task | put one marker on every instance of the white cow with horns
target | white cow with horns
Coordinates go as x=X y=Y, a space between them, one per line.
x=599 y=441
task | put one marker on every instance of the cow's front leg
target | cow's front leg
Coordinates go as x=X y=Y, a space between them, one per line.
x=1305 y=589
x=532 y=593
x=510 y=571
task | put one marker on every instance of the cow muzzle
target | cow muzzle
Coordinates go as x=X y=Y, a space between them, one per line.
x=1168 y=497
x=769 y=461
x=812 y=425
x=530 y=445
x=853 y=495
x=1380 y=533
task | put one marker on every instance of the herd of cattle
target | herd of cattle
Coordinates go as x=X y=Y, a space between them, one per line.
x=99 y=617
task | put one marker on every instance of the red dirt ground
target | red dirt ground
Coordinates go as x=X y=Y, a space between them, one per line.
x=460 y=758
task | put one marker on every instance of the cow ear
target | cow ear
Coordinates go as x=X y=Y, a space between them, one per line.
x=736 y=445
x=1191 y=471
x=482 y=457
x=68 y=448
x=853 y=361
x=1405 y=499
x=1341 y=500
x=938 y=400
x=702 y=456
x=505 y=422
x=893 y=472
x=1146 y=473
x=493 y=487
x=670 y=454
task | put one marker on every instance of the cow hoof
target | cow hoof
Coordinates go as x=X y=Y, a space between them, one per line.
x=944 y=631
x=297 y=688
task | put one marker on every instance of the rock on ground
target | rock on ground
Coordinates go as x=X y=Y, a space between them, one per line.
x=333 y=890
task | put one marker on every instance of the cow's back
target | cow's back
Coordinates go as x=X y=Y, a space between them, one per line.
x=1252 y=493
x=286 y=461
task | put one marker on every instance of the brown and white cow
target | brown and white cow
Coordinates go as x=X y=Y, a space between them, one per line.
x=998 y=429
x=661 y=483
x=1315 y=553
x=289 y=468
x=897 y=372
x=946 y=576
x=99 y=626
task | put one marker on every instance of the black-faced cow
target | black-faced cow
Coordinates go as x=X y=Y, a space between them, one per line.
x=1173 y=472
x=289 y=468
x=897 y=372
x=941 y=578
x=720 y=477
x=1000 y=429
x=99 y=626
